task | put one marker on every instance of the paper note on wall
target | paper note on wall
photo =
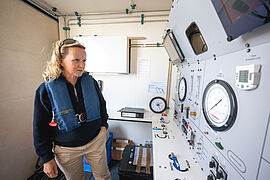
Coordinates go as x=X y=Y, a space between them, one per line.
x=143 y=67
x=156 y=88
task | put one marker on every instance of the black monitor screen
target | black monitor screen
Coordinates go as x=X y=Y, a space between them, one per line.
x=241 y=16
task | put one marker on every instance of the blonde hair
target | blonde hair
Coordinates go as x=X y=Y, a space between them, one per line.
x=54 y=68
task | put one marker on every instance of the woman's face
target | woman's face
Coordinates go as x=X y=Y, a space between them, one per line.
x=74 y=62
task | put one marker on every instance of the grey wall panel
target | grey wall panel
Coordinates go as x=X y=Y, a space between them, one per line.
x=266 y=152
x=246 y=137
x=264 y=172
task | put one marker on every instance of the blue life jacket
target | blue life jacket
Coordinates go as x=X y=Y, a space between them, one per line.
x=62 y=107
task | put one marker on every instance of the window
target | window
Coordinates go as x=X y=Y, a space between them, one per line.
x=196 y=39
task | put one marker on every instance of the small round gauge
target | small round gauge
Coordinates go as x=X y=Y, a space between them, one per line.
x=219 y=105
x=182 y=89
x=158 y=104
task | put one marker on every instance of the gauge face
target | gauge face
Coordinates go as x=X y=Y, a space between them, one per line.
x=219 y=105
x=158 y=104
x=182 y=89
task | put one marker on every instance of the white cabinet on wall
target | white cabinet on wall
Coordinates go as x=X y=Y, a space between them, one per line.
x=108 y=54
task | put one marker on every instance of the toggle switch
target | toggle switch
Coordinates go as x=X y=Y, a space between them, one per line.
x=218 y=144
x=187 y=112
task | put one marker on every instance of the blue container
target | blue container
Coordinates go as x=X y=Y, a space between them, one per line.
x=86 y=165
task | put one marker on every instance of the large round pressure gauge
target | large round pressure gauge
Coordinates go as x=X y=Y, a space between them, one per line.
x=158 y=104
x=182 y=89
x=219 y=105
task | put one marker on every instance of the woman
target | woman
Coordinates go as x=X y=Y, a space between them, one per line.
x=70 y=116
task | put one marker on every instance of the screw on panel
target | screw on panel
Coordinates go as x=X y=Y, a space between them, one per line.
x=247 y=45
x=248 y=50
x=229 y=38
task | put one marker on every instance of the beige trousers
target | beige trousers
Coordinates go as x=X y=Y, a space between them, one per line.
x=70 y=159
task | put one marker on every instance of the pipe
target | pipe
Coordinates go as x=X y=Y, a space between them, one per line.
x=116 y=12
x=160 y=44
x=144 y=46
x=65 y=22
x=119 y=22
x=118 y=17
x=41 y=9
x=168 y=92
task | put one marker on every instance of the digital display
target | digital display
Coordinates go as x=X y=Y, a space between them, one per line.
x=243 y=76
x=241 y=16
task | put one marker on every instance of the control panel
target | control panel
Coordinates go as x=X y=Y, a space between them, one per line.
x=222 y=94
x=213 y=120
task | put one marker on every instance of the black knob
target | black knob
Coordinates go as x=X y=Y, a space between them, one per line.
x=212 y=164
x=210 y=177
x=219 y=175
x=229 y=38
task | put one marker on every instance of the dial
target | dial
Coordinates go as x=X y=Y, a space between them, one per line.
x=182 y=89
x=158 y=104
x=219 y=105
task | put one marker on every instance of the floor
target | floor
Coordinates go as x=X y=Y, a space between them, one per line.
x=113 y=166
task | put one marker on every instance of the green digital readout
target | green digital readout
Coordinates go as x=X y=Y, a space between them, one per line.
x=243 y=76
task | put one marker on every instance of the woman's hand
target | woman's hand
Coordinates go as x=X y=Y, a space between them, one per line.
x=50 y=168
x=103 y=129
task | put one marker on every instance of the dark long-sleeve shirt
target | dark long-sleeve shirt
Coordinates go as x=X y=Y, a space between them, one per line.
x=45 y=135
